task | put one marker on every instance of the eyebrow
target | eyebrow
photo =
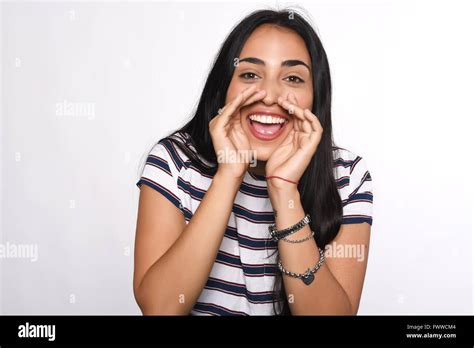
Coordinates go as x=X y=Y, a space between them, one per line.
x=286 y=63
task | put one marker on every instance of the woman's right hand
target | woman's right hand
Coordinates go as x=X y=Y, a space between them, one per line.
x=231 y=144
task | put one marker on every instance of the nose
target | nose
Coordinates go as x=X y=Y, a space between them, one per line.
x=273 y=91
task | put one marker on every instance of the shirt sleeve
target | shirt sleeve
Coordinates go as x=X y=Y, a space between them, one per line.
x=357 y=207
x=161 y=172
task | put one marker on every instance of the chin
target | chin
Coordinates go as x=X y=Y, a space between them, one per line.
x=263 y=153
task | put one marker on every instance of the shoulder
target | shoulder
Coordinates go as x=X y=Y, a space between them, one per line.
x=348 y=160
x=350 y=169
x=354 y=183
x=167 y=150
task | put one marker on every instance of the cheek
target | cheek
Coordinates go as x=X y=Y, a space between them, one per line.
x=232 y=90
x=305 y=99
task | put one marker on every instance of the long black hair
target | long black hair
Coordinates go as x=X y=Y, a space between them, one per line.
x=317 y=186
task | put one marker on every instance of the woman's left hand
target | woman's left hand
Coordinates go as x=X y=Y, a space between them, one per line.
x=293 y=155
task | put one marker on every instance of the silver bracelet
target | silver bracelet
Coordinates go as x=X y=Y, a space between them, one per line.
x=277 y=235
x=311 y=235
x=308 y=276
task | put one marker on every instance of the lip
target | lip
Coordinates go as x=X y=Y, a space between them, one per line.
x=266 y=137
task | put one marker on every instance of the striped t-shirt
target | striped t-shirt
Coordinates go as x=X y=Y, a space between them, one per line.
x=242 y=278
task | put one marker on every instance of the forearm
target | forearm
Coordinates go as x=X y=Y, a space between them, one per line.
x=174 y=282
x=324 y=295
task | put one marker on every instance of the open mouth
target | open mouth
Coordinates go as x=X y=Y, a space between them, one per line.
x=266 y=126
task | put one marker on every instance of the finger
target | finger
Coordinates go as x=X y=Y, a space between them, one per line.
x=222 y=109
x=292 y=109
x=255 y=97
x=289 y=138
x=230 y=108
x=236 y=121
x=238 y=139
x=313 y=120
x=233 y=139
x=303 y=125
x=298 y=125
x=306 y=125
x=317 y=129
x=292 y=98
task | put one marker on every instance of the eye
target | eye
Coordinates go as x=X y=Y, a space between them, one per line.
x=295 y=79
x=248 y=76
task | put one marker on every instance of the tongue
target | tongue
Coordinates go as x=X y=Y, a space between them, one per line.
x=265 y=128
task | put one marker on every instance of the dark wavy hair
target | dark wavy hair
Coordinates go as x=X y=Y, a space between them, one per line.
x=317 y=186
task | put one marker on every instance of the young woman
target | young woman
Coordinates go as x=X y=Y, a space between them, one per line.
x=239 y=208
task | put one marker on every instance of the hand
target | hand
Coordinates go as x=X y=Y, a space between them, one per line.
x=231 y=144
x=292 y=157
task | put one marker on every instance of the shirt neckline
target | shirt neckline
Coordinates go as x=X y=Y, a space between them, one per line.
x=256 y=177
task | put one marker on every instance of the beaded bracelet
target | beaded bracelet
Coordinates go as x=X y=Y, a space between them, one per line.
x=308 y=276
x=311 y=235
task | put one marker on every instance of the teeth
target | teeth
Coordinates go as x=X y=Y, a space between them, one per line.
x=267 y=119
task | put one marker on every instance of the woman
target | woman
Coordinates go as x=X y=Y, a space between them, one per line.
x=239 y=208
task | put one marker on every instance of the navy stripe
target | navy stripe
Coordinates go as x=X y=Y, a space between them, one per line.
x=159 y=163
x=195 y=192
x=343 y=163
x=176 y=158
x=356 y=219
x=239 y=290
x=365 y=178
x=253 y=216
x=161 y=189
x=249 y=242
x=357 y=160
x=203 y=311
x=198 y=194
x=238 y=210
x=188 y=214
x=248 y=269
x=343 y=181
x=253 y=190
x=359 y=197
x=215 y=309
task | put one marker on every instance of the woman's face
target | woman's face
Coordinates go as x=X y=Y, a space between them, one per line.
x=274 y=59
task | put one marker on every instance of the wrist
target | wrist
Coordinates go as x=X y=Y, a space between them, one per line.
x=283 y=196
x=278 y=186
x=228 y=178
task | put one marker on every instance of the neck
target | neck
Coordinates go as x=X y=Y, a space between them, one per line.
x=259 y=169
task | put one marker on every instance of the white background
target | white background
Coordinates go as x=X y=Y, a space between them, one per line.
x=402 y=77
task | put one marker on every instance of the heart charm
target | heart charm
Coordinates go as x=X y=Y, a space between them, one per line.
x=308 y=278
